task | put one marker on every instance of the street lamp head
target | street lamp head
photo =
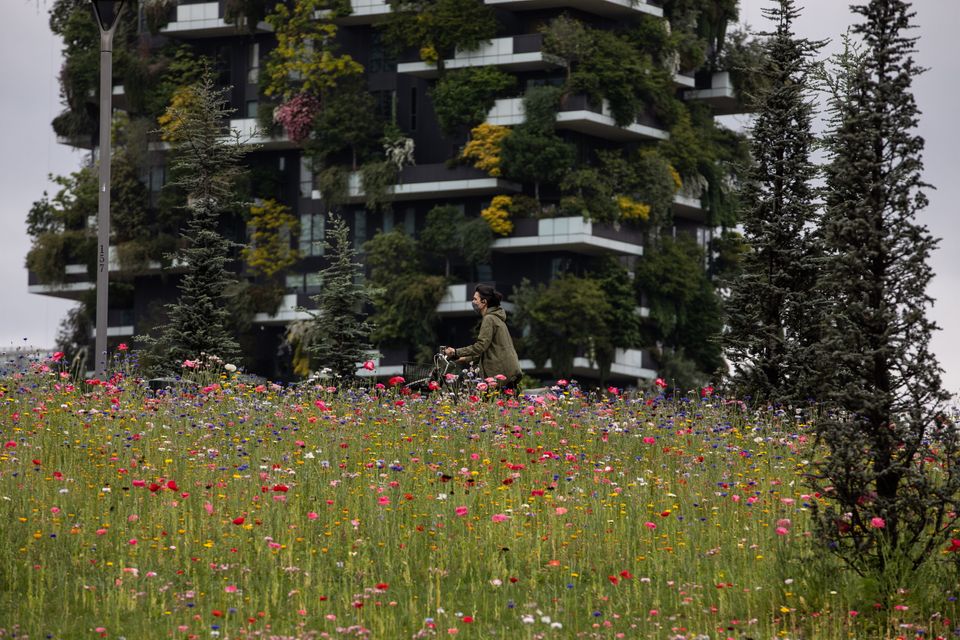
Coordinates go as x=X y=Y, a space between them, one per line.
x=107 y=12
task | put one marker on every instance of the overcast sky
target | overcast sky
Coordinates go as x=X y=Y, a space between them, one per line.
x=30 y=100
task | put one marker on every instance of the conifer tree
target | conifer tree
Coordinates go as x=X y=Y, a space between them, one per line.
x=340 y=333
x=892 y=476
x=769 y=319
x=205 y=164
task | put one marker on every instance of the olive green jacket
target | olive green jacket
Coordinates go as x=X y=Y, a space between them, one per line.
x=493 y=351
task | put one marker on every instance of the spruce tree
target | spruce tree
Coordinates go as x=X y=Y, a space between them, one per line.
x=205 y=163
x=769 y=319
x=339 y=335
x=892 y=475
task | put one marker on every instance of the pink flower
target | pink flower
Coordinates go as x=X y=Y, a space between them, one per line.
x=461 y=511
x=58 y=356
x=369 y=366
x=660 y=382
x=296 y=115
x=650 y=525
x=122 y=346
x=877 y=523
x=313 y=515
x=189 y=364
x=562 y=383
x=649 y=440
x=395 y=380
x=499 y=517
x=383 y=500
x=782 y=531
x=560 y=511
x=230 y=588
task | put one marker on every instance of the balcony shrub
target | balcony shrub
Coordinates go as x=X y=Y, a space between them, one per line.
x=52 y=252
x=462 y=98
x=438 y=27
x=484 y=147
x=269 y=251
x=376 y=178
x=497 y=215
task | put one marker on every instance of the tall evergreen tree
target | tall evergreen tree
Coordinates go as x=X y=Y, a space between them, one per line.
x=340 y=333
x=892 y=476
x=769 y=318
x=205 y=164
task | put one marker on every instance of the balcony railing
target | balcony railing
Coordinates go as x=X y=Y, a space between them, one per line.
x=606 y=8
x=251 y=133
x=578 y=114
x=514 y=53
x=424 y=181
x=718 y=92
x=570 y=234
x=203 y=20
x=365 y=12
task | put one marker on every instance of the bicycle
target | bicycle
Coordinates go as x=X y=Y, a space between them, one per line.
x=444 y=374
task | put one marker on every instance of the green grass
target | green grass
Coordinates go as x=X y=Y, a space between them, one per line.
x=568 y=518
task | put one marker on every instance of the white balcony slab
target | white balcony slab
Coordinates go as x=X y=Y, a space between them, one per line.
x=288 y=311
x=607 y=8
x=688 y=207
x=438 y=189
x=67 y=290
x=202 y=20
x=720 y=96
x=567 y=234
x=509 y=112
x=498 y=52
x=250 y=133
x=456 y=302
x=627 y=364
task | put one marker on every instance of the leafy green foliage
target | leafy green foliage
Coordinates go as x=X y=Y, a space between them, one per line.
x=438 y=27
x=684 y=309
x=346 y=123
x=462 y=98
x=405 y=298
x=533 y=152
x=567 y=317
x=305 y=60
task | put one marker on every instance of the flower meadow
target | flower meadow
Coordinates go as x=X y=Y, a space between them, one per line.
x=243 y=510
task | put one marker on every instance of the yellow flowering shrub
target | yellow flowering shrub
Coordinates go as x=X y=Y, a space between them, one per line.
x=497 y=215
x=428 y=53
x=269 y=250
x=630 y=209
x=184 y=100
x=677 y=180
x=484 y=147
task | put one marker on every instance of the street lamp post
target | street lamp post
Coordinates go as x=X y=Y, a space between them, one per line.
x=107 y=13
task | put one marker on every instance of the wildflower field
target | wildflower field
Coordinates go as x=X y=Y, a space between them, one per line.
x=244 y=510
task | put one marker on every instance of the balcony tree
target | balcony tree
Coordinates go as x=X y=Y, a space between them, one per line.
x=438 y=27
x=892 y=477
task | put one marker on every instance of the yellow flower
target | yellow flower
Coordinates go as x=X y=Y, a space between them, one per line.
x=630 y=209
x=497 y=215
x=484 y=147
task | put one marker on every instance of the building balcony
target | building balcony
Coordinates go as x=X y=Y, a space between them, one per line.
x=577 y=114
x=629 y=365
x=250 y=133
x=203 y=20
x=435 y=181
x=570 y=234
x=456 y=301
x=291 y=309
x=74 y=285
x=717 y=92
x=514 y=53
x=606 y=8
x=120 y=324
x=689 y=207
x=365 y=12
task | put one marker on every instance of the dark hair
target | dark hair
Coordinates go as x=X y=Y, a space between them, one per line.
x=489 y=294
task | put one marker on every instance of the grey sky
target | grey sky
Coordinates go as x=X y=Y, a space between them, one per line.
x=31 y=99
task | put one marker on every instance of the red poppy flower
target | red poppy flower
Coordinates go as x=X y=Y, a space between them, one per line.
x=239 y=520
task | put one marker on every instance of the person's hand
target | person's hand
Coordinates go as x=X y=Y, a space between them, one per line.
x=449 y=352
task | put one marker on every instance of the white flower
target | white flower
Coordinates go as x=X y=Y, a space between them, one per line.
x=230 y=367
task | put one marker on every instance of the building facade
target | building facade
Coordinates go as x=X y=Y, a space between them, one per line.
x=617 y=126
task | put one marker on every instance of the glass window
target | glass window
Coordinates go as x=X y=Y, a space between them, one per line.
x=251 y=108
x=360 y=229
x=253 y=63
x=311 y=234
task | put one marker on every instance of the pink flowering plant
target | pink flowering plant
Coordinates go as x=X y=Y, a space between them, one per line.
x=296 y=116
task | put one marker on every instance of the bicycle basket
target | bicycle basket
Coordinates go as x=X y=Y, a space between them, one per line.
x=413 y=371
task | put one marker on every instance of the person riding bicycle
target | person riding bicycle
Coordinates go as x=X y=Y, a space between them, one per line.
x=493 y=351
